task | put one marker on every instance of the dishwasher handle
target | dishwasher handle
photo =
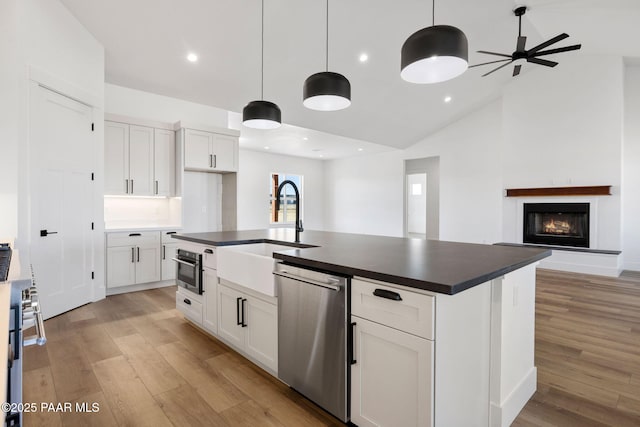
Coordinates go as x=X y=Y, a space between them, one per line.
x=307 y=280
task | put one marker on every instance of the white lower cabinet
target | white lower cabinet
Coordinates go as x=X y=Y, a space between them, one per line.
x=133 y=258
x=169 y=251
x=392 y=378
x=210 y=309
x=190 y=305
x=249 y=324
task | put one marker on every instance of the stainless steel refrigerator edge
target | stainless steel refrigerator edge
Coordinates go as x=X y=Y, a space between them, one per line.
x=312 y=336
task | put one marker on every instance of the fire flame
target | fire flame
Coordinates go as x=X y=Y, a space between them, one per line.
x=557 y=227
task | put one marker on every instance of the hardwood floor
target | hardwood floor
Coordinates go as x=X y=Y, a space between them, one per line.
x=143 y=364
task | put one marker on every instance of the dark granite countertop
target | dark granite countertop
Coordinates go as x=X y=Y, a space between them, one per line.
x=433 y=265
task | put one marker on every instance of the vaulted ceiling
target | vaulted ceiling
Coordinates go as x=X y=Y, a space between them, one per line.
x=146 y=42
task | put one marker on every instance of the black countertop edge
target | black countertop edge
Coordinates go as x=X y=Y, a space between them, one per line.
x=243 y=242
x=561 y=248
x=407 y=281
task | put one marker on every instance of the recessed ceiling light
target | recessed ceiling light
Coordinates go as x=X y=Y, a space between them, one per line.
x=266 y=147
x=305 y=138
x=321 y=155
x=447 y=99
x=192 y=57
x=363 y=57
x=360 y=149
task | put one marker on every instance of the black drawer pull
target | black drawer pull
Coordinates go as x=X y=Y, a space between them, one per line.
x=383 y=293
x=208 y=251
x=171 y=232
x=186 y=301
x=135 y=234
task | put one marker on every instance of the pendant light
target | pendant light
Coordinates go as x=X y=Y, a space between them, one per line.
x=434 y=54
x=261 y=114
x=326 y=91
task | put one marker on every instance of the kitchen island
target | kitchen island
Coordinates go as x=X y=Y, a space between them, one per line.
x=455 y=349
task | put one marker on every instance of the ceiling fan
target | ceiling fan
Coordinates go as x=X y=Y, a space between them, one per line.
x=531 y=55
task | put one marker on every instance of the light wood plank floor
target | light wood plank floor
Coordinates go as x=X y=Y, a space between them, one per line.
x=143 y=364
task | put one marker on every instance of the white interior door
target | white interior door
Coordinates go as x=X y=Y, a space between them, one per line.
x=61 y=193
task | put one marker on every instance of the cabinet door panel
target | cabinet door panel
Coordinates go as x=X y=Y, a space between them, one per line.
x=121 y=267
x=169 y=250
x=210 y=279
x=224 y=150
x=116 y=158
x=392 y=380
x=262 y=332
x=197 y=149
x=148 y=263
x=164 y=162
x=228 y=327
x=141 y=160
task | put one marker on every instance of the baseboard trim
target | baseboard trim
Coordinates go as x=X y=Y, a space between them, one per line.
x=502 y=415
x=140 y=287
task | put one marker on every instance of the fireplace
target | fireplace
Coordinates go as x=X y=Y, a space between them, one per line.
x=558 y=224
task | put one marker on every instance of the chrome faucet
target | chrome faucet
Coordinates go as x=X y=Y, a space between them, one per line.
x=299 y=228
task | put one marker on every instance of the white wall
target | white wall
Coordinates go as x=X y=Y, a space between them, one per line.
x=365 y=194
x=149 y=106
x=470 y=175
x=563 y=127
x=631 y=171
x=254 y=174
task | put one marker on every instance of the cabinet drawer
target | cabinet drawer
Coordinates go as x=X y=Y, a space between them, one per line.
x=191 y=308
x=166 y=236
x=133 y=238
x=412 y=312
x=209 y=257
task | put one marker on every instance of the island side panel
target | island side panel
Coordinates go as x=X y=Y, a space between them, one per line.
x=513 y=374
x=462 y=357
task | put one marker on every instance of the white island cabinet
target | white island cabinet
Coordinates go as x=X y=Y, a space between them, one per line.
x=431 y=359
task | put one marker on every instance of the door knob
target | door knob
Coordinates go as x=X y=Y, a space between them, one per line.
x=45 y=233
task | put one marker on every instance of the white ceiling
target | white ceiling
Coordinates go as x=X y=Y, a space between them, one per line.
x=146 y=42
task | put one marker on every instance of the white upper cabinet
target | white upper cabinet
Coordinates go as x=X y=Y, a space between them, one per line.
x=210 y=152
x=164 y=161
x=139 y=160
x=116 y=158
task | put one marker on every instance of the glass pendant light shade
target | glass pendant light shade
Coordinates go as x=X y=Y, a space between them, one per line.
x=434 y=54
x=326 y=91
x=261 y=115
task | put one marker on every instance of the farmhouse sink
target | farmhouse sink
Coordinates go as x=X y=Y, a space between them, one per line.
x=250 y=265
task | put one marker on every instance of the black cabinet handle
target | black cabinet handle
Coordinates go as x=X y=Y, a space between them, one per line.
x=238 y=321
x=135 y=234
x=171 y=232
x=138 y=254
x=133 y=254
x=352 y=340
x=164 y=252
x=383 y=293
x=208 y=251
x=244 y=325
x=186 y=301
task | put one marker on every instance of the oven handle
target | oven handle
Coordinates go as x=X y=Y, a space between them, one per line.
x=39 y=338
x=192 y=264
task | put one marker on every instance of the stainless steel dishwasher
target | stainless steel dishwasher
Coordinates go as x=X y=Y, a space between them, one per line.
x=312 y=336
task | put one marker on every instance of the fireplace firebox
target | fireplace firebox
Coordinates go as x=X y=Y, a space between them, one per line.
x=557 y=224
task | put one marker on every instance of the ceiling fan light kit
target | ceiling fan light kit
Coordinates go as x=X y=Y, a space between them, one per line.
x=521 y=54
x=326 y=91
x=262 y=114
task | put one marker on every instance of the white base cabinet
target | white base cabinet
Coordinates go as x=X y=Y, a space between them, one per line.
x=210 y=308
x=392 y=378
x=133 y=258
x=249 y=324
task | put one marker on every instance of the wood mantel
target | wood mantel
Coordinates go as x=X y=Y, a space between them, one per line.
x=600 y=190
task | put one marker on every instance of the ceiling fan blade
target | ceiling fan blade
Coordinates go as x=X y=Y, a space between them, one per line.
x=516 y=70
x=558 y=50
x=490 y=62
x=542 y=62
x=493 y=53
x=496 y=69
x=522 y=40
x=549 y=42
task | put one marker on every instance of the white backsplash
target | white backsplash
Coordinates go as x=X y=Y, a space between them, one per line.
x=132 y=212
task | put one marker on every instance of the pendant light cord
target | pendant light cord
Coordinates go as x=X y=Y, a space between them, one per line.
x=433 y=13
x=262 y=57
x=327 y=44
